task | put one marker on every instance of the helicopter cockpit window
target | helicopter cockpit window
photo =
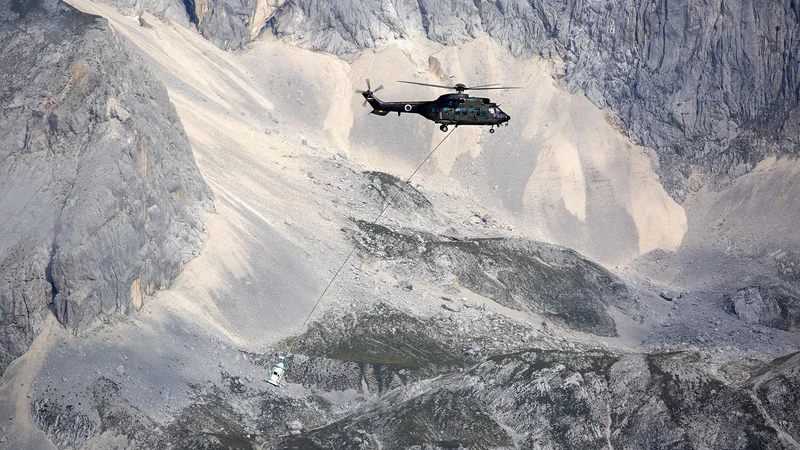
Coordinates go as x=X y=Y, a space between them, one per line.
x=491 y=110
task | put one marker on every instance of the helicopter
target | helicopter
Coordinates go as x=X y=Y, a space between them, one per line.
x=449 y=109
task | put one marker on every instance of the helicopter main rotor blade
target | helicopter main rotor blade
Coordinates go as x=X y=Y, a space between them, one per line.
x=482 y=86
x=426 y=84
x=501 y=87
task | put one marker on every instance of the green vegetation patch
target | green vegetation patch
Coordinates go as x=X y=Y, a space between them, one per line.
x=382 y=336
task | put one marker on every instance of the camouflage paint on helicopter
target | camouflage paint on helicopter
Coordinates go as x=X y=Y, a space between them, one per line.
x=449 y=109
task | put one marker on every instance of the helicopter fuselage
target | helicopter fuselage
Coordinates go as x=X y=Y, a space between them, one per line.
x=449 y=109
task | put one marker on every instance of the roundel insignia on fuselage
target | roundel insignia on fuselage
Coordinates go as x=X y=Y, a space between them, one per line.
x=407 y=108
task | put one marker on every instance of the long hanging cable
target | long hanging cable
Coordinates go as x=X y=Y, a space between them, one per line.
x=374 y=222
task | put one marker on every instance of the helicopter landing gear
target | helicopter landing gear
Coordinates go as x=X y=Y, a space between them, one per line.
x=443 y=128
x=491 y=130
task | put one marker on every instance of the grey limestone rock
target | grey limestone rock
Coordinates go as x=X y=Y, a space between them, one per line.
x=772 y=306
x=564 y=399
x=751 y=307
x=226 y=23
x=101 y=202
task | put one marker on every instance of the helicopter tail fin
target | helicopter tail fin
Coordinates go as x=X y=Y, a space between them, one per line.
x=373 y=101
x=377 y=105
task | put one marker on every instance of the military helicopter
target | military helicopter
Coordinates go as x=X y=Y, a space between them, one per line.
x=449 y=109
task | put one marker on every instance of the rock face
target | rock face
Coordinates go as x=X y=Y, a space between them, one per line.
x=225 y=23
x=101 y=202
x=228 y=24
x=711 y=84
x=772 y=306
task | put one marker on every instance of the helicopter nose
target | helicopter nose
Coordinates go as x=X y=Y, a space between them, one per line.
x=506 y=118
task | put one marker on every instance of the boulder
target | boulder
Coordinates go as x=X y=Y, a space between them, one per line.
x=753 y=308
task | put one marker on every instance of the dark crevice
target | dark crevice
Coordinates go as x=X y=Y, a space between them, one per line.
x=190 y=10
x=48 y=274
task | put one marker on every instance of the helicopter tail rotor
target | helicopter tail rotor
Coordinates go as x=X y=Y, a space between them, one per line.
x=369 y=89
x=369 y=92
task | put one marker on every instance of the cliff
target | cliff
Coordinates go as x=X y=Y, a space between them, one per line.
x=101 y=202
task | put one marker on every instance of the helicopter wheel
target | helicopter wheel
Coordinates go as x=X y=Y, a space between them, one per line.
x=491 y=130
x=443 y=128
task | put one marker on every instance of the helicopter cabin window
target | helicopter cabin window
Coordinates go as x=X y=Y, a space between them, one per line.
x=472 y=110
x=458 y=111
x=445 y=110
x=483 y=112
x=433 y=110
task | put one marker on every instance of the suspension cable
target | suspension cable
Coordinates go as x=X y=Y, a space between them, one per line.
x=374 y=222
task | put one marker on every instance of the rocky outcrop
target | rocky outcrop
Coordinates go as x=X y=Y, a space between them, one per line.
x=226 y=23
x=772 y=306
x=175 y=10
x=101 y=202
x=553 y=281
x=707 y=84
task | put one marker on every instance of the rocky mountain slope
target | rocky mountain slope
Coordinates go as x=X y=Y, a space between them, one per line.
x=533 y=287
x=387 y=379
x=101 y=201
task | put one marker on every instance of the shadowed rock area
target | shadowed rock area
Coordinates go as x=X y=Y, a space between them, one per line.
x=553 y=281
x=101 y=203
